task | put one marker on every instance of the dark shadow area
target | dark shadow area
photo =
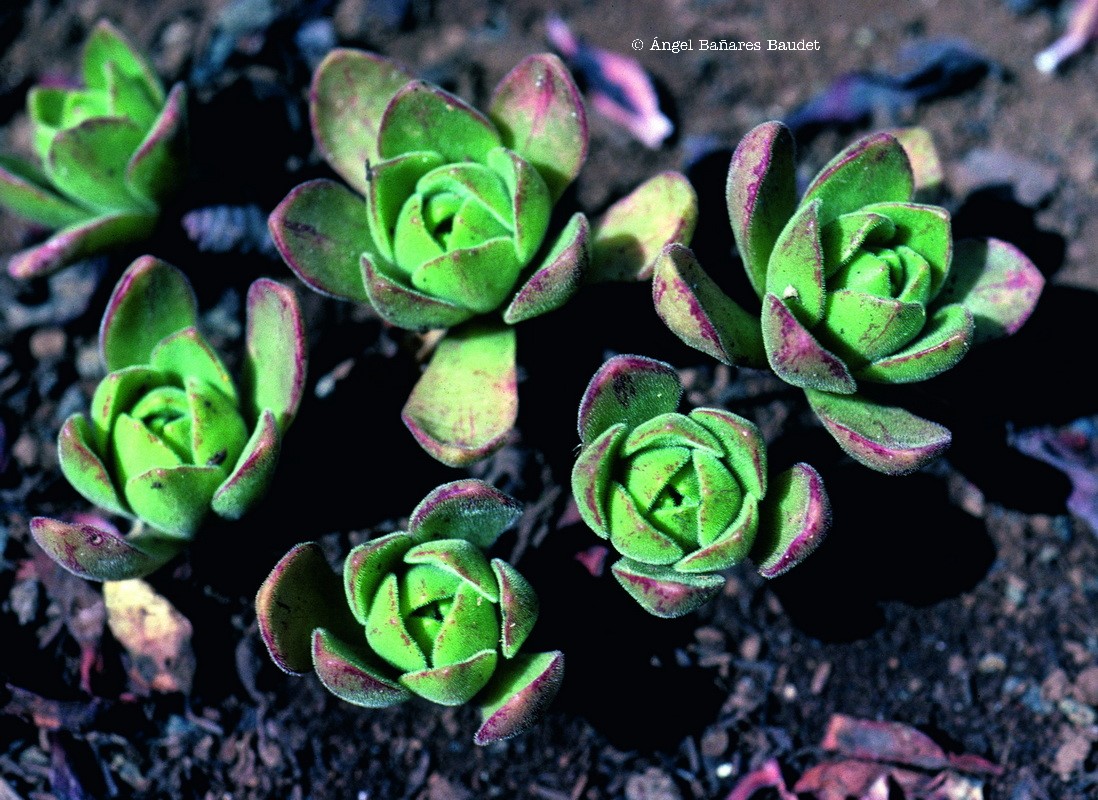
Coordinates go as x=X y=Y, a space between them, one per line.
x=622 y=673
x=993 y=212
x=891 y=539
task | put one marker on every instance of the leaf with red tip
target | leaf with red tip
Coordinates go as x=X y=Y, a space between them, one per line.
x=796 y=269
x=174 y=500
x=795 y=517
x=518 y=607
x=627 y=389
x=761 y=194
x=367 y=565
x=728 y=549
x=996 y=282
x=558 y=277
x=518 y=695
x=699 y=313
x=885 y=438
x=467 y=509
x=540 y=116
x=663 y=592
x=629 y=237
x=454 y=684
x=466 y=402
x=874 y=167
x=795 y=354
x=251 y=475
x=151 y=301
x=422 y=117
x=944 y=341
x=158 y=167
x=346 y=672
x=102 y=555
x=926 y=162
x=25 y=190
x=300 y=594
x=321 y=230
x=107 y=45
x=405 y=307
x=461 y=558
x=88 y=163
x=84 y=469
x=79 y=241
x=275 y=364
x=350 y=91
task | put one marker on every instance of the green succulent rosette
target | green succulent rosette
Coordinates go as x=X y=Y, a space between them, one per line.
x=110 y=153
x=859 y=285
x=169 y=438
x=446 y=221
x=420 y=613
x=683 y=497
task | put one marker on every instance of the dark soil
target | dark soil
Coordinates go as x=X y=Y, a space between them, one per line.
x=961 y=600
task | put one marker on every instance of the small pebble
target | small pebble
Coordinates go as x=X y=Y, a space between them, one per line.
x=714 y=742
x=47 y=344
x=991 y=663
x=1081 y=715
x=652 y=784
x=1086 y=686
x=751 y=647
x=819 y=677
x=25 y=450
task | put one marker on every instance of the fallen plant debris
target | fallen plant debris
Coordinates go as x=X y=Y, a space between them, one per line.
x=1082 y=29
x=1072 y=449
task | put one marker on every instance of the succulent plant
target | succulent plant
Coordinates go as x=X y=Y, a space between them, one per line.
x=448 y=224
x=169 y=438
x=420 y=613
x=859 y=285
x=109 y=154
x=684 y=496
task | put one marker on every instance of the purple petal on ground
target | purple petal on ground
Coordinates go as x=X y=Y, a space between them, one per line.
x=768 y=776
x=1072 y=449
x=1081 y=30
x=617 y=85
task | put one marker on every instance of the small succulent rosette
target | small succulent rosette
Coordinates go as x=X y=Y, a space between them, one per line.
x=445 y=222
x=859 y=285
x=420 y=613
x=684 y=496
x=110 y=153
x=169 y=438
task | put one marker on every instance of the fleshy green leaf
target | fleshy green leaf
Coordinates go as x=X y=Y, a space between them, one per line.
x=88 y=163
x=663 y=592
x=557 y=278
x=367 y=565
x=873 y=169
x=591 y=477
x=762 y=195
x=670 y=429
x=997 y=283
x=795 y=517
x=300 y=594
x=422 y=117
x=885 y=438
x=469 y=627
x=350 y=92
x=944 y=342
x=78 y=241
x=796 y=269
x=861 y=327
x=102 y=555
x=531 y=204
x=158 y=167
x=843 y=237
x=466 y=509
x=251 y=475
x=389 y=184
x=727 y=549
x=275 y=361
x=518 y=694
x=107 y=45
x=466 y=402
x=321 y=230
x=634 y=536
x=84 y=468
x=628 y=238
x=400 y=305
x=26 y=191
x=540 y=115
x=461 y=558
x=453 y=684
x=386 y=630
x=345 y=672
x=699 y=313
x=795 y=354
x=518 y=606
x=477 y=278
x=174 y=500
x=151 y=301
x=218 y=433
x=186 y=354
x=926 y=230
x=630 y=390
x=743 y=445
x=926 y=163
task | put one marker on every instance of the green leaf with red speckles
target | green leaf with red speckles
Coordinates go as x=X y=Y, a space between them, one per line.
x=466 y=402
x=102 y=555
x=465 y=509
x=252 y=473
x=275 y=357
x=558 y=276
x=663 y=592
x=347 y=673
x=630 y=390
x=422 y=118
x=795 y=518
x=873 y=168
x=518 y=694
x=453 y=684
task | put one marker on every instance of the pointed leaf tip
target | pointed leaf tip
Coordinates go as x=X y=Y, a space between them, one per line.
x=796 y=516
x=102 y=555
x=518 y=695
x=467 y=509
x=627 y=389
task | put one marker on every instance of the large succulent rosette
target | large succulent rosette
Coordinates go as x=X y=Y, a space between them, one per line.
x=169 y=438
x=859 y=285
x=110 y=153
x=420 y=613
x=683 y=497
x=446 y=224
